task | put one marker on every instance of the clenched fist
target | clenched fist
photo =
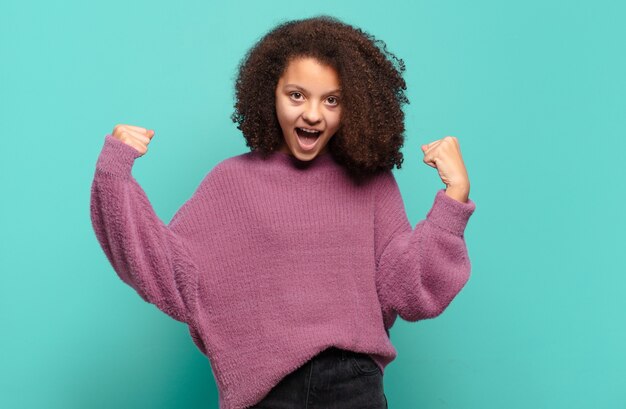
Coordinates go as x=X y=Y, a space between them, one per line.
x=445 y=156
x=135 y=136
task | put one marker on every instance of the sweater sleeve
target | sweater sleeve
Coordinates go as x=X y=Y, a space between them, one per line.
x=151 y=257
x=419 y=270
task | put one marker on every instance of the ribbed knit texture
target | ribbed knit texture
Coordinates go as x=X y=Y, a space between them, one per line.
x=273 y=260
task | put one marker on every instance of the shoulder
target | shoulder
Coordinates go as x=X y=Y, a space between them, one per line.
x=230 y=167
x=384 y=183
x=236 y=164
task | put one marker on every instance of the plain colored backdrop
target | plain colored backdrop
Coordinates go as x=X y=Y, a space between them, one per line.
x=534 y=91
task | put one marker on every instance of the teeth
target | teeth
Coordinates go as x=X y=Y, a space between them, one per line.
x=309 y=130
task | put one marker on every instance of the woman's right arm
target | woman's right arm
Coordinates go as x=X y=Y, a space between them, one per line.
x=153 y=258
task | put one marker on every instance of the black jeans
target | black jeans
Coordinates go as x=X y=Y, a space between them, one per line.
x=333 y=379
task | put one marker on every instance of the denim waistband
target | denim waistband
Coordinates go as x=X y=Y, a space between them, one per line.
x=337 y=352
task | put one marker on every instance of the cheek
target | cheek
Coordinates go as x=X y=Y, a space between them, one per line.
x=280 y=113
x=288 y=114
x=335 y=119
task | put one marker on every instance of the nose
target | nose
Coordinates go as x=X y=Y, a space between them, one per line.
x=312 y=114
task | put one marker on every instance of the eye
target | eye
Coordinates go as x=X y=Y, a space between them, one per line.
x=295 y=93
x=333 y=100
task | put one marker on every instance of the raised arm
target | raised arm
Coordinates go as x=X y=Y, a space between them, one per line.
x=153 y=258
x=419 y=271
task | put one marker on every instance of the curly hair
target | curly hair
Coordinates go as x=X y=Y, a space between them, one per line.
x=371 y=130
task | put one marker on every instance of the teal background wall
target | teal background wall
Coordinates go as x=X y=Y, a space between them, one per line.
x=534 y=91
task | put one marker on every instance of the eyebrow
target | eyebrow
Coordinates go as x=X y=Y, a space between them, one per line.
x=335 y=91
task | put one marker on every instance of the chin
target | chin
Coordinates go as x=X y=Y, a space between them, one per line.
x=307 y=156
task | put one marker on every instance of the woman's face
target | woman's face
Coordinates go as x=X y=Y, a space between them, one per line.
x=308 y=98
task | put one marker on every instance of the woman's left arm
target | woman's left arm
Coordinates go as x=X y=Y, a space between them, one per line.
x=419 y=271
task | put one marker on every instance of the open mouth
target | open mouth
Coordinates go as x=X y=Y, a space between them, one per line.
x=307 y=138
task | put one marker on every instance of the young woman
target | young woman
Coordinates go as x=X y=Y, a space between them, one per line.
x=291 y=262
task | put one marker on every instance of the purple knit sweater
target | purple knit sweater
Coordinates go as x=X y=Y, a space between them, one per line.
x=273 y=260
